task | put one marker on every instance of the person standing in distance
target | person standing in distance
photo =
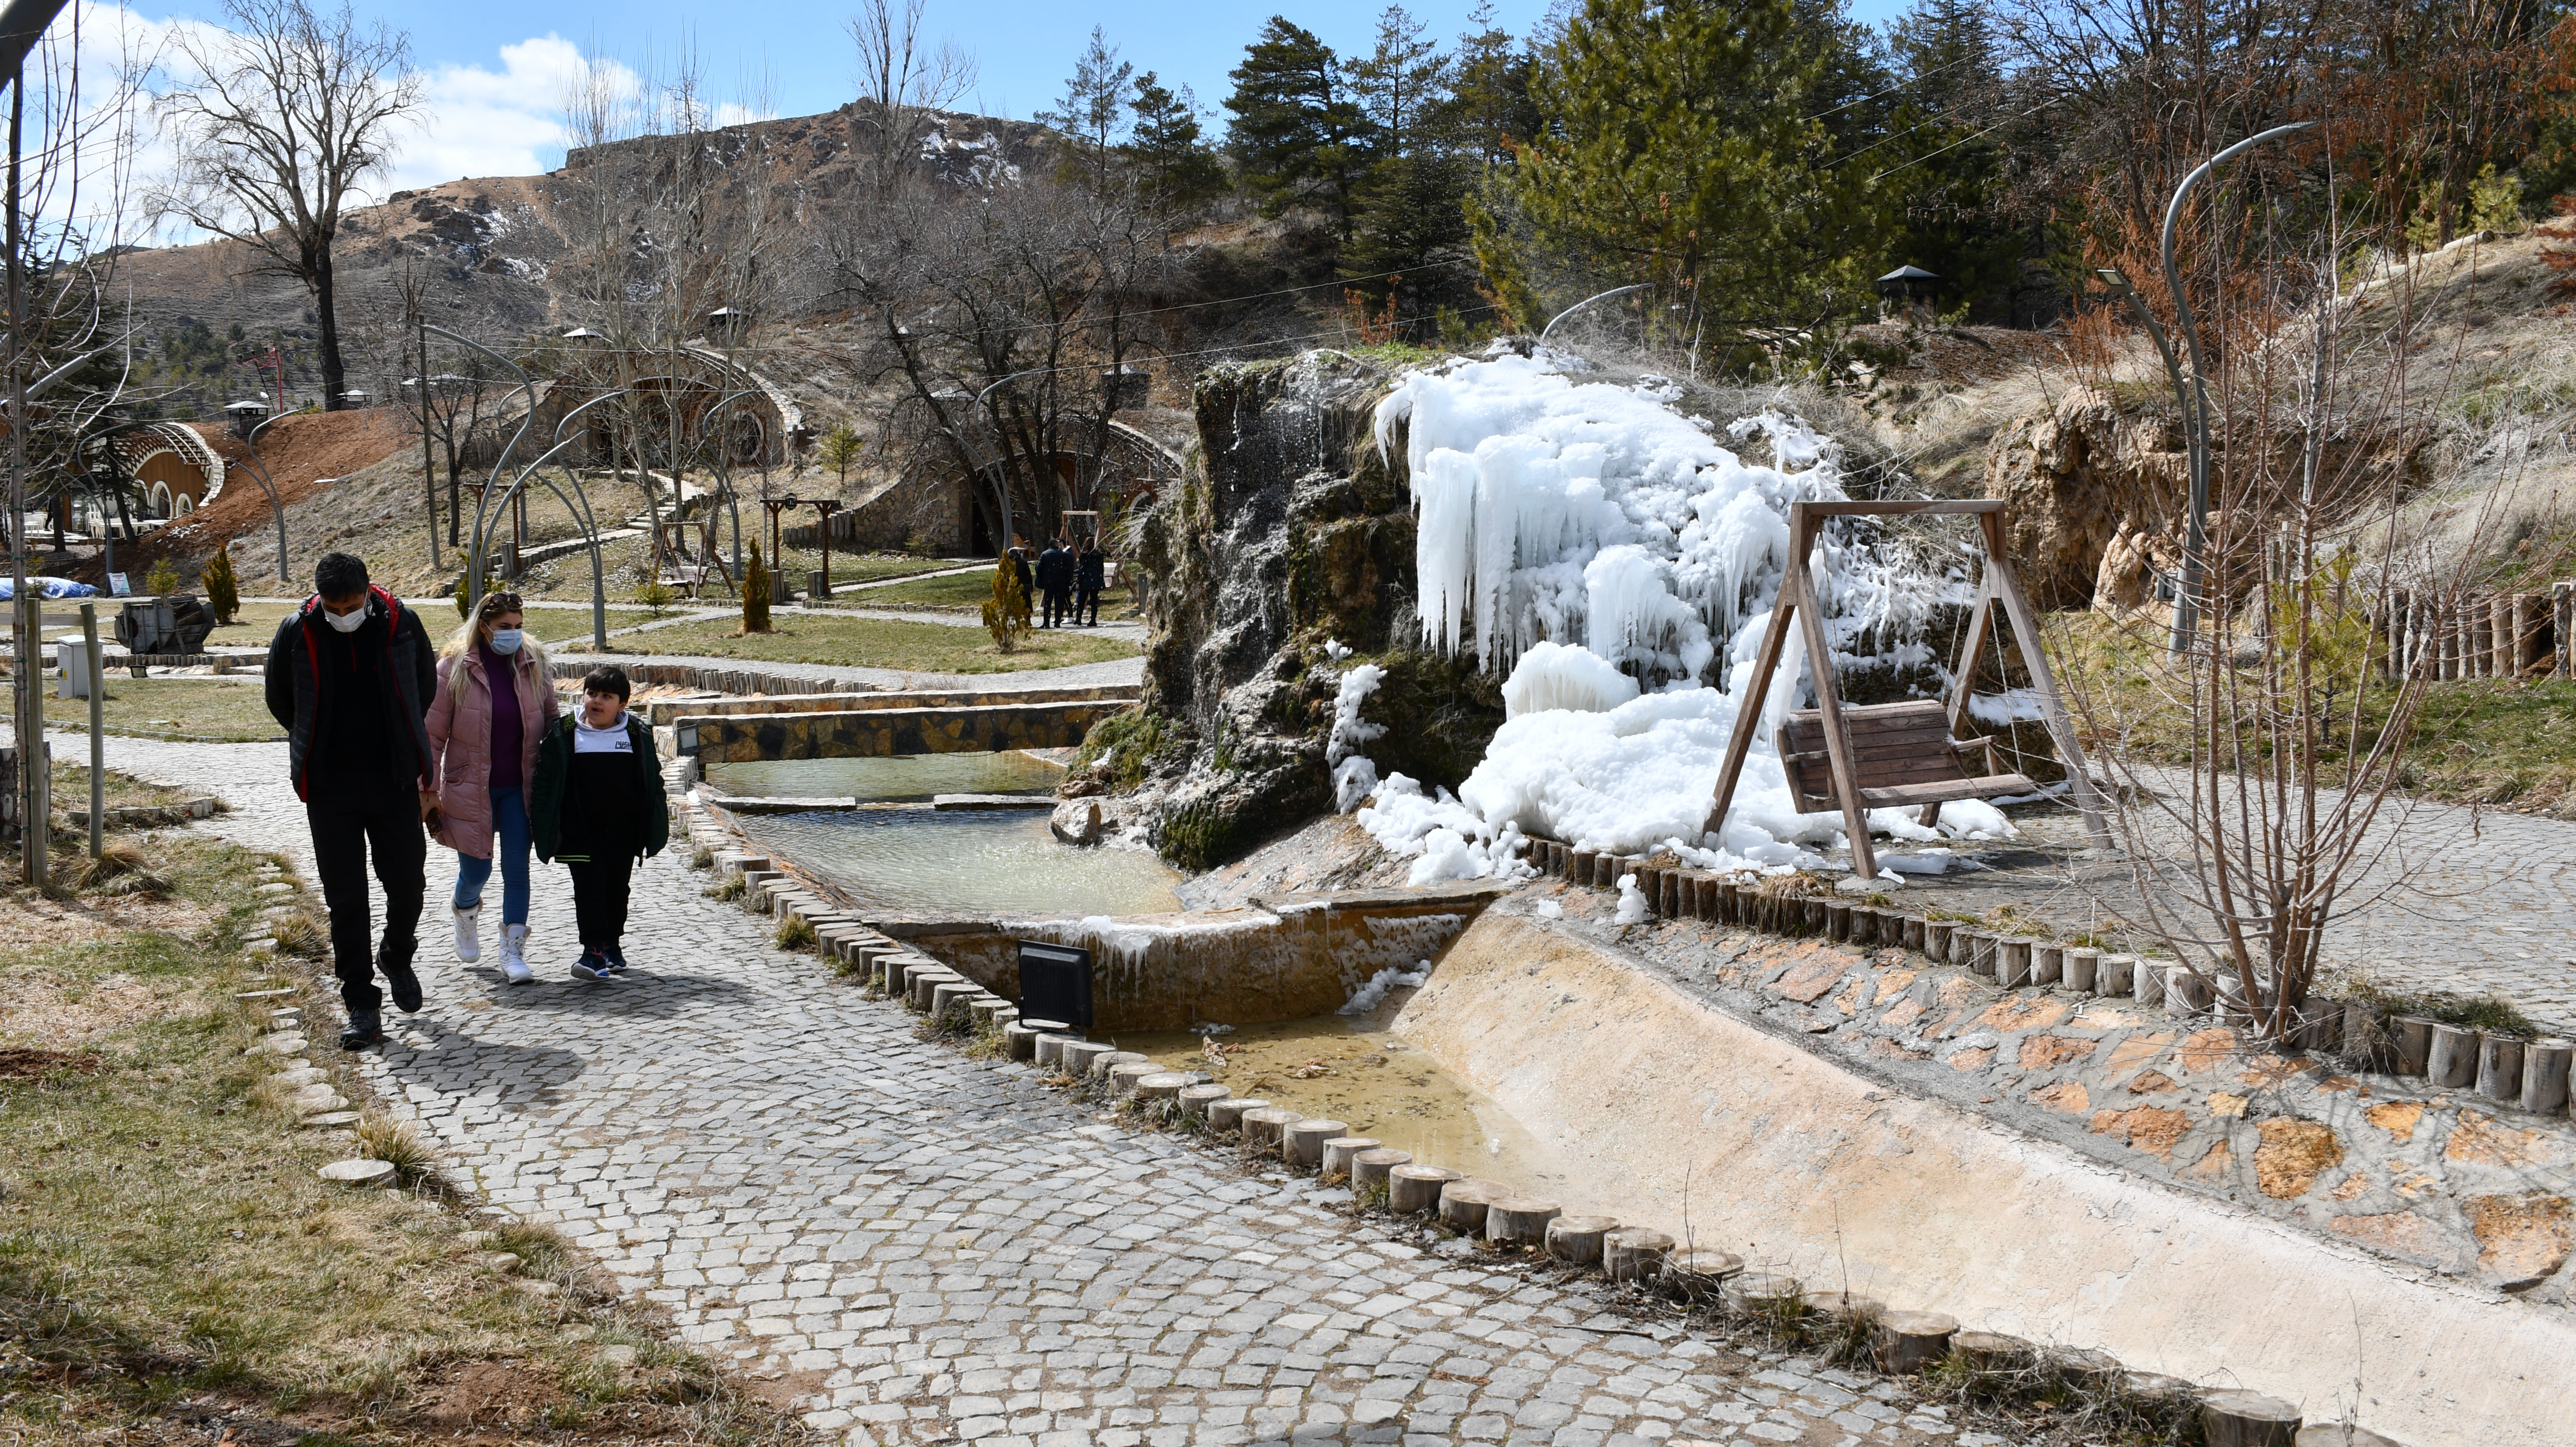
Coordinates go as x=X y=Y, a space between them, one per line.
x=1055 y=580
x=495 y=702
x=599 y=807
x=1090 y=576
x=350 y=676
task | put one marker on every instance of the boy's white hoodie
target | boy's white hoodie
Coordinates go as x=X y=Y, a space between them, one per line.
x=610 y=740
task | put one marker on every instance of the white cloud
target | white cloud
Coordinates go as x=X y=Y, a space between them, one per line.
x=506 y=122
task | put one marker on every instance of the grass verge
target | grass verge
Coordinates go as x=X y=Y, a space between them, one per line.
x=206 y=710
x=872 y=643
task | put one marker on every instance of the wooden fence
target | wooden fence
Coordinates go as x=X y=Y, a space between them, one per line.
x=2492 y=635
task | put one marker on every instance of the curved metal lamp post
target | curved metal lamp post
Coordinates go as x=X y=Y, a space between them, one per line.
x=268 y=485
x=1001 y=475
x=2194 y=399
x=1587 y=301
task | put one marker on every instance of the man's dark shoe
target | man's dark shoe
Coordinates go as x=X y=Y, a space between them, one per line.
x=364 y=1029
x=402 y=984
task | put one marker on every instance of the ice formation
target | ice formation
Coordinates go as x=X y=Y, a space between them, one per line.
x=1373 y=994
x=1632 y=902
x=1622 y=564
x=1354 y=776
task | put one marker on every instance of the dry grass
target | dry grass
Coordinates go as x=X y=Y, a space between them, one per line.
x=169 y=1257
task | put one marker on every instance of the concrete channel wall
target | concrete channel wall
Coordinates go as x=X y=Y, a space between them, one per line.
x=1290 y=958
x=1733 y=1138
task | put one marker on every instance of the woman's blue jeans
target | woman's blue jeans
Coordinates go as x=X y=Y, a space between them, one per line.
x=510 y=817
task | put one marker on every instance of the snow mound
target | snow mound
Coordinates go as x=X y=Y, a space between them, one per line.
x=1555 y=676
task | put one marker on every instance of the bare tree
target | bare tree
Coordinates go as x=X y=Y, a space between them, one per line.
x=286 y=113
x=905 y=80
x=2282 y=809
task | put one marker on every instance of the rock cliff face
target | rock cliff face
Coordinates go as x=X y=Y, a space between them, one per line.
x=1290 y=531
x=2096 y=500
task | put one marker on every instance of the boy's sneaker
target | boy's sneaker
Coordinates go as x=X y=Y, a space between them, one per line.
x=616 y=957
x=591 y=966
x=364 y=1029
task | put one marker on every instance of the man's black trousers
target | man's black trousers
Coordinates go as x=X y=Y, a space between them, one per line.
x=349 y=825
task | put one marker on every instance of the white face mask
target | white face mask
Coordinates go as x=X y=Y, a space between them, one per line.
x=506 y=640
x=349 y=622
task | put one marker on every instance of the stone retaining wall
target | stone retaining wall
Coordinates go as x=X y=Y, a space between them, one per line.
x=667 y=711
x=884 y=733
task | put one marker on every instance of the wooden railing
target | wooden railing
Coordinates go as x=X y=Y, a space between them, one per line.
x=2487 y=635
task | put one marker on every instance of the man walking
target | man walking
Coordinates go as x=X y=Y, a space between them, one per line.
x=1090 y=576
x=1055 y=580
x=350 y=678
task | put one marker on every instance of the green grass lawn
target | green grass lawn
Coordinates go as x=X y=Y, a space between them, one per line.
x=2482 y=741
x=206 y=709
x=965 y=592
x=164 y=1234
x=871 y=643
x=257 y=621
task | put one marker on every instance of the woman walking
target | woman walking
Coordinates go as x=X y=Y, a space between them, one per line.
x=494 y=704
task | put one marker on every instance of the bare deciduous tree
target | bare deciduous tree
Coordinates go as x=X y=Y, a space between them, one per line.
x=287 y=112
x=905 y=80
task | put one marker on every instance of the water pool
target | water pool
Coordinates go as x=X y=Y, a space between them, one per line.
x=979 y=864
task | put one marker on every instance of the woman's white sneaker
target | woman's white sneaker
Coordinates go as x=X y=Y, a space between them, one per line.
x=514 y=954
x=469 y=934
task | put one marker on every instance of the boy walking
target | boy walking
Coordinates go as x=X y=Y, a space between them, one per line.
x=599 y=807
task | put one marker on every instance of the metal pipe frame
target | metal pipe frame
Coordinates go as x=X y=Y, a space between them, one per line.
x=1587 y=301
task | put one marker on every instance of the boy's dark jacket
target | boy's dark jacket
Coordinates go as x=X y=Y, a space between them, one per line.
x=554 y=768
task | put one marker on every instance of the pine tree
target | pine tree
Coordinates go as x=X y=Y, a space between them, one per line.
x=1400 y=83
x=1297 y=133
x=1090 y=112
x=1489 y=112
x=222 y=585
x=1677 y=148
x=1006 y=613
x=1167 y=152
x=1953 y=217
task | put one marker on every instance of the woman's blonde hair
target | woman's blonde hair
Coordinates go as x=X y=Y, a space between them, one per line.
x=477 y=630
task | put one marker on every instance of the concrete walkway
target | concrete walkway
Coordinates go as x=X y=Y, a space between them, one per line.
x=925 y=1248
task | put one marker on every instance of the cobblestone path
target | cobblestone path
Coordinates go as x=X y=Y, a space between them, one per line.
x=2469 y=901
x=925 y=1248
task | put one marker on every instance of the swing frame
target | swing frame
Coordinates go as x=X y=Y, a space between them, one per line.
x=1997 y=587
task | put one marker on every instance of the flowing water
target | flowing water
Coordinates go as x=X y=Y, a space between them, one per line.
x=1356 y=1070
x=943 y=863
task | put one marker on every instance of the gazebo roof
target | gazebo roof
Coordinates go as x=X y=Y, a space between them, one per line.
x=1909 y=273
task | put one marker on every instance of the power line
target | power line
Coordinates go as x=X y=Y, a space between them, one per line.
x=1963 y=140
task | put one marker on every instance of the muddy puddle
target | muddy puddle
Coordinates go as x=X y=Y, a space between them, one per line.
x=1355 y=1069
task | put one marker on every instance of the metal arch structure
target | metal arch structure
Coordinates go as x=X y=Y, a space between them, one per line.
x=489 y=511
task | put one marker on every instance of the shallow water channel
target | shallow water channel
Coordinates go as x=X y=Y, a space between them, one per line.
x=927 y=862
x=998 y=863
x=1357 y=1070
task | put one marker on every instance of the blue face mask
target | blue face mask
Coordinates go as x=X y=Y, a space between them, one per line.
x=506 y=640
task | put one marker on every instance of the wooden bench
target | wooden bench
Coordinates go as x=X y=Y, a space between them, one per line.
x=1901 y=754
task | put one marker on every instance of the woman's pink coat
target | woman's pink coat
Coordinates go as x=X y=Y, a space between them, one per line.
x=460 y=733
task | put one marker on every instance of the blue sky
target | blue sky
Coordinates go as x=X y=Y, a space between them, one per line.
x=495 y=68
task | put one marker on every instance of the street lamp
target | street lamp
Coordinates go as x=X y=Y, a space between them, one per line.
x=2194 y=400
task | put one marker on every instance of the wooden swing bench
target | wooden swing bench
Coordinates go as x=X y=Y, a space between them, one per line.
x=1850 y=760
x=1902 y=755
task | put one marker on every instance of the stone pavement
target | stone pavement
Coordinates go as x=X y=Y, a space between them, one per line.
x=2460 y=900
x=923 y=1248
